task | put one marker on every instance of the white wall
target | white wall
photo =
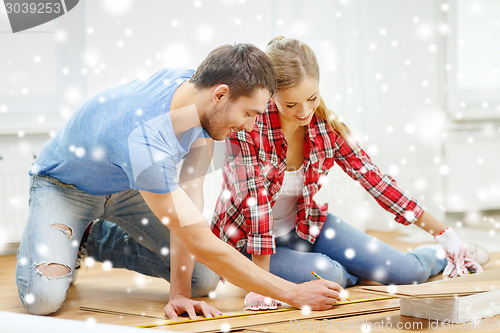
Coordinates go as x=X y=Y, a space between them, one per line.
x=382 y=75
x=382 y=70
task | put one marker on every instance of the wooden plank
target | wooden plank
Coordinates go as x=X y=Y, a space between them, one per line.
x=435 y=289
x=358 y=323
x=252 y=313
x=390 y=321
x=140 y=304
x=487 y=275
x=229 y=300
x=344 y=310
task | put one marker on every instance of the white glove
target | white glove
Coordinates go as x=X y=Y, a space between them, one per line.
x=459 y=258
x=255 y=301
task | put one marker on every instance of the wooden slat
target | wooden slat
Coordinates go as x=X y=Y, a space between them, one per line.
x=376 y=323
x=465 y=285
x=435 y=289
x=263 y=319
x=229 y=300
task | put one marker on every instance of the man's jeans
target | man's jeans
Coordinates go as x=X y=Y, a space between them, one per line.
x=58 y=216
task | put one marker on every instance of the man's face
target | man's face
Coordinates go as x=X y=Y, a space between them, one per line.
x=235 y=115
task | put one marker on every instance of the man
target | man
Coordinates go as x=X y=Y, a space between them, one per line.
x=116 y=159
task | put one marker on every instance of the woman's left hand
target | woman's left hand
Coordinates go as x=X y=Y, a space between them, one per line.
x=459 y=258
x=254 y=301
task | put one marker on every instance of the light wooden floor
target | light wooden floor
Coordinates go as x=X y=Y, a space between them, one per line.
x=123 y=290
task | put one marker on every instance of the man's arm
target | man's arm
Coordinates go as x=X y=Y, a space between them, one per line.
x=191 y=180
x=181 y=261
x=183 y=218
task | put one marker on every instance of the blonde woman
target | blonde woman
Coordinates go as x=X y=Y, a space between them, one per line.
x=266 y=207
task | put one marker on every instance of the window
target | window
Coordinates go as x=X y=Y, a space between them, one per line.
x=473 y=59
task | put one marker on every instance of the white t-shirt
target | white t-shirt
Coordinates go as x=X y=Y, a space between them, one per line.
x=285 y=207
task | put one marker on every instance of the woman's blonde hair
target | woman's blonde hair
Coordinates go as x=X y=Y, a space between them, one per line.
x=293 y=61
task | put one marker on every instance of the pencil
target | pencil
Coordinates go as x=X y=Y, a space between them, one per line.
x=319 y=277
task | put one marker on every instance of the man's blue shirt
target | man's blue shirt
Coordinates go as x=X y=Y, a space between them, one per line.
x=121 y=138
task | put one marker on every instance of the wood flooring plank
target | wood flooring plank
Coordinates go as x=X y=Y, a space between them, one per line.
x=228 y=299
x=466 y=285
x=217 y=325
x=390 y=321
x=435 y=289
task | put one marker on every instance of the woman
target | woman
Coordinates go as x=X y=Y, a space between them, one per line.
x=266 y=208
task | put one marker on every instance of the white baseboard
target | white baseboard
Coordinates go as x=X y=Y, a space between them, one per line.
x=8 y=249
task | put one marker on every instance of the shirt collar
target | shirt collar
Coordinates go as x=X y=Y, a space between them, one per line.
x=272 y=118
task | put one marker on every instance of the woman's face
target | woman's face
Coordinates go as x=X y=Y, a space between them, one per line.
x=297 y=104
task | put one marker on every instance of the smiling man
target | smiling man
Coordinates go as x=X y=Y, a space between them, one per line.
x=116 y=159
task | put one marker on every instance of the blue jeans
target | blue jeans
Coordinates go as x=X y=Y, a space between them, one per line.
x=58 y=216
x=347 y=255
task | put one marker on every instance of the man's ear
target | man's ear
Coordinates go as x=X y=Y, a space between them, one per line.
x=220 y=92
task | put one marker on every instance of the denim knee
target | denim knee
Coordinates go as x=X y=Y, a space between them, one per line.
x=413 y=273
x=331 y=270
x=204 y=282
x=43 y=301
x=41 y=295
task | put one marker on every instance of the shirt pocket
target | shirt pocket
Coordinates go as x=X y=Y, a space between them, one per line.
x=268 y=172
x=322 y=166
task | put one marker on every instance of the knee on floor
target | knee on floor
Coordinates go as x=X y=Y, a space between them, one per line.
x=204 y=284
x=42 y=303
x=47 y=297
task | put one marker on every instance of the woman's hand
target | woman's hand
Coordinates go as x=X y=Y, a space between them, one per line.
x=459 y=258
x=254 y=301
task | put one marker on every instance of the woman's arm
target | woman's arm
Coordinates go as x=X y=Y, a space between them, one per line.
x=262 y=261
x=430 y=224
x=382 y=187
x=358 y=165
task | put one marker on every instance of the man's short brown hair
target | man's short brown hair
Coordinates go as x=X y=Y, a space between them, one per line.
x=243 y=67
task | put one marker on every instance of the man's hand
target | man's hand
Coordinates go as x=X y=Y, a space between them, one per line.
x=177 y=305
x=459 y=258
x=317 y=294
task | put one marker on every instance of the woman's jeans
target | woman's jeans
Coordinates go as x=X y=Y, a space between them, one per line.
x=58 y=216
x=347 y=255
x=341 y=253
